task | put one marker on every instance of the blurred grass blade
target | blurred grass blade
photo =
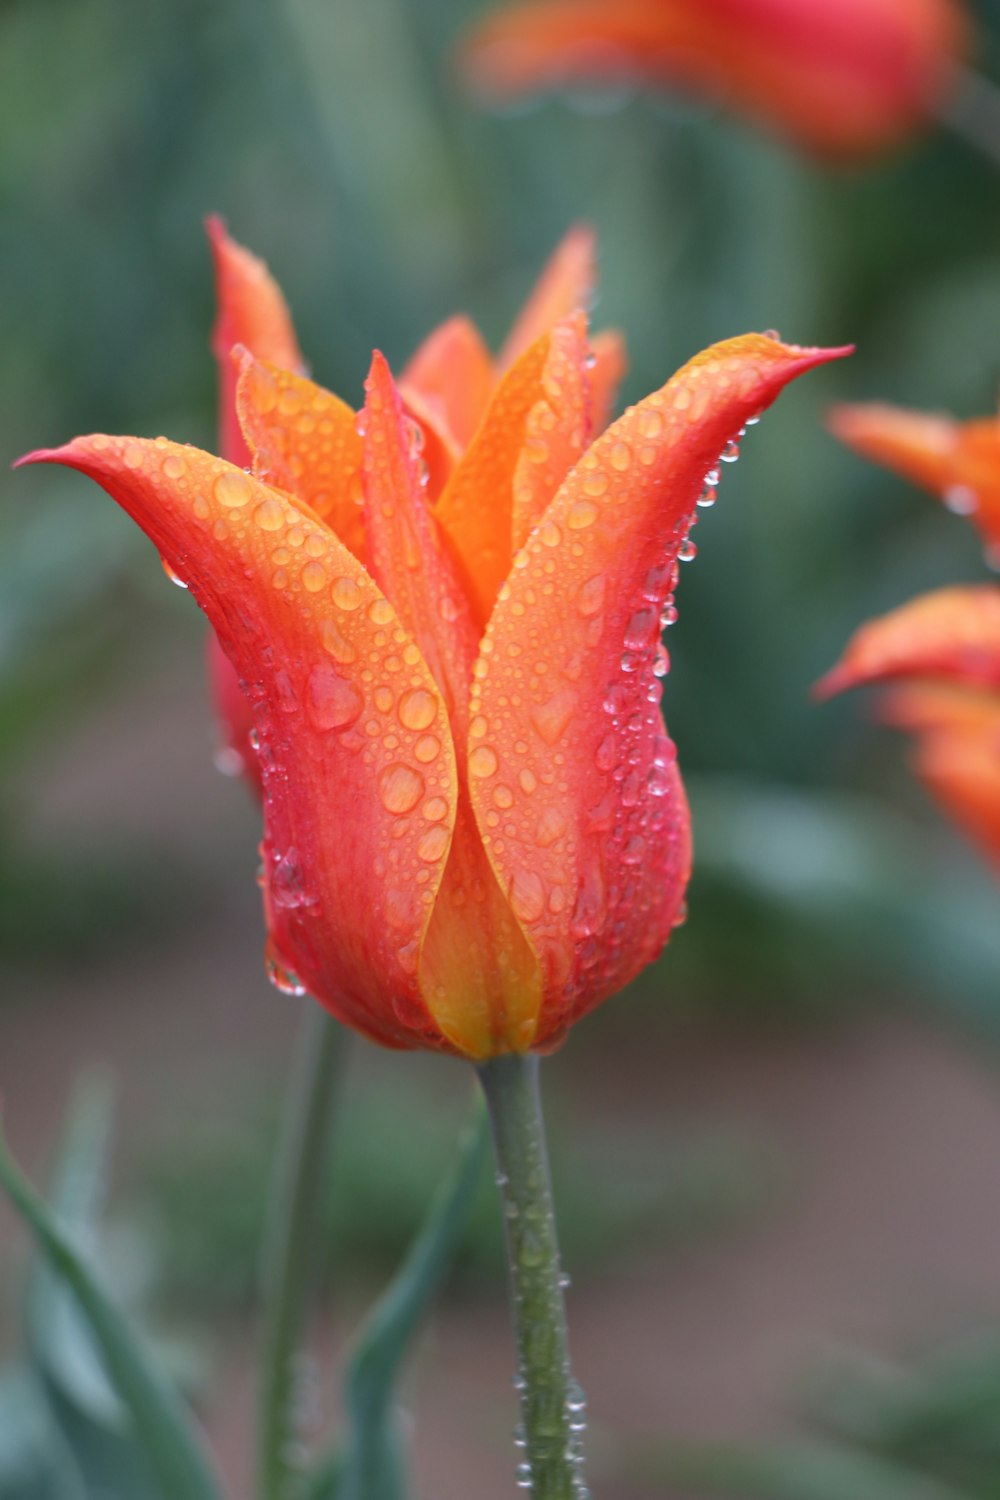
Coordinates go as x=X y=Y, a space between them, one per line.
x=800 y=1471
x=34 y=1464
x=59 y=1340
x=373 y=1466
x=175 y=1456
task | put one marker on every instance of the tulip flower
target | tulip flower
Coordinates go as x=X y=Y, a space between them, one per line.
x=446 y=387
x=941 y=653
x=842 y=78
x=475 y=829
x=957 y=461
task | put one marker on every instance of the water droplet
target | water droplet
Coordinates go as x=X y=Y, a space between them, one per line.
x=961 y=499
x=133 y=456
x=551 y=717
x=730 y=452
x=550 y=534
x=280 y=975
x=582 y=513
x=433 y=843
x=427 y=748
x=483 y=761
x=527 y=896
x=417 y=709
x=270 y=515
x=381 y=612
x=687 y=551
x=527 y=780
x=313 y=577
x=590 y=596
x=400 y=788
x=346 y=594
x=551 y=826
x=339 y=647
x=286 y=882
x=233 y=489
x=620 y=457
x=503 y=796
x=661 y=661
x=641 y=628
x=435 y=809
x=708 y=497
x=175 y=578
x=331 y=700
x=174 y=466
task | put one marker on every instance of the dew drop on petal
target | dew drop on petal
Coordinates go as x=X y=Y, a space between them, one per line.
x=527 y=895
x=313 y=577
x=269 y=515
x=433 y=843
x=332 y=702
x=400 y=788
x=233 y=489
x=582 y=513
x=346 y=595
x=417 y=709
x=483 y=761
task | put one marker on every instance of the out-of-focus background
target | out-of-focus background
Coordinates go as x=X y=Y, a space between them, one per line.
x=784 y=1139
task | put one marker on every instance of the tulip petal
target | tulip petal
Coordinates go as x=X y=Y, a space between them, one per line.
x=952 y=633
x=934 y=707
x=957 y=461
x=845 y=79
x=450 y=378
x=252 y=312
x=556 y=431
x=573 y=780
x=350 y=788
x=477 y=976
x=609 y=370
x=566 y=286
x=305 y=441
x=962 y=773
x=476 y=508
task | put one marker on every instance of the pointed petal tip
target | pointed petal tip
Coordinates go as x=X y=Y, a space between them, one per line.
x=47 y=455
x=837 y=680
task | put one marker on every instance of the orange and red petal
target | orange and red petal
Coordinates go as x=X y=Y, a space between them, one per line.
x=305 y=441
x=610 y=366
x=842 y=77
x=952 y=633
x=962 y=773
x=957 y=461
x=572 y=776
x=450 y=378
x=351 y=790
x=251 y=311
x=476 y=508
x=557 y=428
x=566 y=286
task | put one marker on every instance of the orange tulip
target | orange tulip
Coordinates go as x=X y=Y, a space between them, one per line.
x=844 y=78
x=474 y=825
x=957 y=461
x=447 y=386
x=942 y=653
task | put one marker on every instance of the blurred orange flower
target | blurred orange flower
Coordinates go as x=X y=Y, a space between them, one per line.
x=942 y=653
x=844 y=78
x=474 y=825
x=957 y=461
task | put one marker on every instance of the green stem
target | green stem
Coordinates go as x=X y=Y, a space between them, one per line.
x=551 y=1402
x=289 y=1262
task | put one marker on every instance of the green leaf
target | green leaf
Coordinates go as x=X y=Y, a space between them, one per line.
x=800 y=1471
x=34 y=1464
x=175 y=1455
x=373 y=1467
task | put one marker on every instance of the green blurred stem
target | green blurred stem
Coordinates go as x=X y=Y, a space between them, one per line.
x=290 y=1246
x=551 y=1402
x=971 y=109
